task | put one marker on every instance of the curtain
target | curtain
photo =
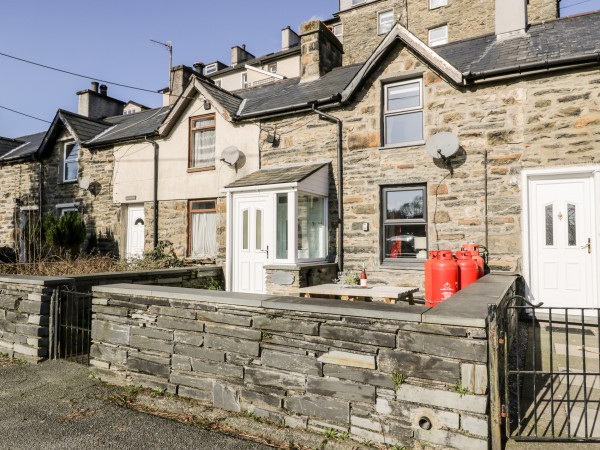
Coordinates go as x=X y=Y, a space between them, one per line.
x=204 y=235
x=204 y=148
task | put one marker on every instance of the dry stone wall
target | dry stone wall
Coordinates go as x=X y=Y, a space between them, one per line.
x=373 y=370
x=543 y=121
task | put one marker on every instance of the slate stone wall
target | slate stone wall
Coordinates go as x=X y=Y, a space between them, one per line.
x=375 y=378
x=543 y=121
x=282 y=280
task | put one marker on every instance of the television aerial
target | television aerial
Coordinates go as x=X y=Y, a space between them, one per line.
x=231 y=155
x=443 y=146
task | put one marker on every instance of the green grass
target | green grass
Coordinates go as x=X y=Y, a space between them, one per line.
x=330 y=433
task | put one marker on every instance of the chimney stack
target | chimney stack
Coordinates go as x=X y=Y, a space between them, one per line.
x=289 y=39
x=240 y=55
x=180 y=77
x=321 y=51
x=98 y=105
x=511 y=18
x=94 y=86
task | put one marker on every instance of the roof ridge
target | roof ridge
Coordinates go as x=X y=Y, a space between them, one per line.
x=100 y=121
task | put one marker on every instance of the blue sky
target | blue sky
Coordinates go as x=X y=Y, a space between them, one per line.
x=110 y=40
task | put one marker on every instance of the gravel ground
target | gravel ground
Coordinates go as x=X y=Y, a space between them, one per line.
x=55 y=405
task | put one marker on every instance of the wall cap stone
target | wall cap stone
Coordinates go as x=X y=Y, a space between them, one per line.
x=37 y=281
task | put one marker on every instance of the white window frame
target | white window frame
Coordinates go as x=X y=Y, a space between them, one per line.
x=218 y=83
x=244 y=80
x=398 y=112
x=63 y=211
x=435 y=4
x=65 y=161
x=272 y=66
x=211 y=68
x=340 y=35
x=439 y=41
x=379 y=14
x=357 y=2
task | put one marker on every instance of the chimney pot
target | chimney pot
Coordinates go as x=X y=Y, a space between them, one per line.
x=103 y=89
x=94 y=86
x=199 y=67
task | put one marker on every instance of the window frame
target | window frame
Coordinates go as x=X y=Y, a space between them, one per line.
x=445 y=26
x=340 y=36
x=398 y=112
x=401 y=262
x=379 y=14
x=357 y=2
x=439 y=6
x=245 y=80
x=191 y=211
x=65 y=161
x=211 y=68
x=191 y=168
x=272 y=66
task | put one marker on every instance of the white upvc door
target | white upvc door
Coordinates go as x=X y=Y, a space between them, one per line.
x=253 y=232
x=561 y=219
x=135 y=231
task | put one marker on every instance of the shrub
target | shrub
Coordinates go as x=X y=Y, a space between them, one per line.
x=65 y=234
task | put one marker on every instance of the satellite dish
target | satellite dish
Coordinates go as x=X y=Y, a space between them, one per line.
x=230 y=155
x=84 y=183
x=442 y=145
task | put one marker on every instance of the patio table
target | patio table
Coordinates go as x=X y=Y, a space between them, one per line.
x=391 y=294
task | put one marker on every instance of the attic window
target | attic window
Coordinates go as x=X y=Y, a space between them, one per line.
x=438 y=36
x=211 y=68
x=71 y=164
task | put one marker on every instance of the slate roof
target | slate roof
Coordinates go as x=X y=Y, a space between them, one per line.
x=230 y=101
x=83 y=127
x=144 y=123
x=277 y=175
x=31 y=144
x=256 y=61
x=7 y=144
x=554 y=40
x=291 y=93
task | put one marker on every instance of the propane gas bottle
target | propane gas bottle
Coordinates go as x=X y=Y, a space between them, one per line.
x=474 y=249
x=468 y=270
x=428 y=264
x=444 y=278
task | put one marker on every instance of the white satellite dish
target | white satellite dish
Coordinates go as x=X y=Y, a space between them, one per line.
x=442 y=145
x=84 y=183
x=230 y=155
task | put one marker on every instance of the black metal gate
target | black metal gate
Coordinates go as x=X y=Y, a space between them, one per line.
x=71 y=326
x=550 y=362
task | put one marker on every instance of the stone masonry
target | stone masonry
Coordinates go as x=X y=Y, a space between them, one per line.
x=549 y=120
x=465 y=19
x=379 y=372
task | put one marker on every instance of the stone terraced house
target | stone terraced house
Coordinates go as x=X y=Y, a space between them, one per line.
x=286 y=182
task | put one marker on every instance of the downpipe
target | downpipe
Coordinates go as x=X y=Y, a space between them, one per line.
x=155 y=188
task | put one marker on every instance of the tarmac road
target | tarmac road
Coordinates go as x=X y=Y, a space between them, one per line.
x=55 y=405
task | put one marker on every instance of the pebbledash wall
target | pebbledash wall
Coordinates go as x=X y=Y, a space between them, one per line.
x=309 y=363
x=25 y=303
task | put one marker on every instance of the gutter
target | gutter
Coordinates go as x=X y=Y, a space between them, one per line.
x=299 y=107
x=155 y=200
x=340 y=173
x=546 y=65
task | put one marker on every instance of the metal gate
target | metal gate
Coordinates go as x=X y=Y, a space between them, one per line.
x=71 y=326
x=549 y=365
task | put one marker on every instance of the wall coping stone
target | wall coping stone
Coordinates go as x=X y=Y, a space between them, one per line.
x=298 y=267
x=134 y=273
x=33 y=280
x=371 y=310
x=469 y=306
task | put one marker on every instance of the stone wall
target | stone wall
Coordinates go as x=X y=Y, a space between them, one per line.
x=381 y=372
x=286 y=280
x=548 y=120
x=465 y=19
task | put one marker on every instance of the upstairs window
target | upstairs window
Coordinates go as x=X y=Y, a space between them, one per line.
x=433 y=4
x=438 y=36
x=338 y=31
x=385 y=21
x=218 y=83
x=244 y=80
x=404 y=223
x=358 y=2
x=403 y=112
x=211 y=68
x=272 y=67
x=202 y=142
x=71 y=163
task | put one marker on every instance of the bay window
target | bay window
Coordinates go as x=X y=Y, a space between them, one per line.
x=404 y=223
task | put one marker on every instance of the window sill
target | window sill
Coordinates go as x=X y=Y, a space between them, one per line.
x=402 y=145
x=201 y=169
x=418 y=265
x=69 y=181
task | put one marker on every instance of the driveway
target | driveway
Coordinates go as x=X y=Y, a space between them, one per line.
x=56 y=405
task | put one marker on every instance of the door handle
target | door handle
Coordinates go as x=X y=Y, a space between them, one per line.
x=588 y=246
x=266 y=251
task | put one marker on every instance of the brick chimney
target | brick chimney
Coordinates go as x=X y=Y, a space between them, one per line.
x=240 y=55
x=321 y=50
x=97 y=105
x=289 y=39
x=511 y=18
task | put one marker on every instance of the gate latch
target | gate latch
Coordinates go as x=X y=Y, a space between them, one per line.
x=503 y=411
x=501 y=338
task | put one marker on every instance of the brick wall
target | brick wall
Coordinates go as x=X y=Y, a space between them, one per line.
x=372 y=370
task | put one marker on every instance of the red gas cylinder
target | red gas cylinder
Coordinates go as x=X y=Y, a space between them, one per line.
x=444 y=278
x=468 y=270
x=474 y=249
x=428 y=279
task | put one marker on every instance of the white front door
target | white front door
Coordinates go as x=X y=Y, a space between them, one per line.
x=135 y=231
x=561 y=218
x=253 y=233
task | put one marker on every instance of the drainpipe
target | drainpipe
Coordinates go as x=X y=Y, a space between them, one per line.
x=155 y=145
x=340 y=173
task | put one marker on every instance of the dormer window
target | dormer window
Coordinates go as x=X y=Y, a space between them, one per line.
x=71 y=163
x=211 y=68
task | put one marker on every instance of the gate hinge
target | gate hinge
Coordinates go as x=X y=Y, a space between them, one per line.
x=501 y=337
x=503 y=411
